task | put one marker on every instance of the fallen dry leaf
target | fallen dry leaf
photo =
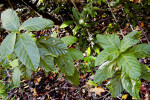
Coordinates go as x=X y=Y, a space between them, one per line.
x=97 y=90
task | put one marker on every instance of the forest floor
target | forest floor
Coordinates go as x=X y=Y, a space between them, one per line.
x=54 y=86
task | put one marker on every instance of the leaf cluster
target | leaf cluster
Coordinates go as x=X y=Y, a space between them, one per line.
x=31 y=53
x=118 y=61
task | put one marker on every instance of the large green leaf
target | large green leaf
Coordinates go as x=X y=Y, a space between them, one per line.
x=46 y=59
x=65 y=62
x=47 y=62
x=66 y=65
x=16 y=77
x=105 y=71
x=27 y=51
x=109 y=41
x=141 y=50
x=75 y=78
x=36 y=24
x=106 y=55
x=131 y=86
x=145 y=72
x=115 y=85
x=7 y=45
x=129 y=40
x=10 y=20
x=69 y=40
x=52 y=46
x=130 y=65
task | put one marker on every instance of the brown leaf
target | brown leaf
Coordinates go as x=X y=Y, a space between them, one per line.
x=97 y=90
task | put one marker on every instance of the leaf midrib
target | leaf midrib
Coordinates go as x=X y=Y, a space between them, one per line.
x=26 y=50
x=126 y=61
x=125 y=44
x=111 y=42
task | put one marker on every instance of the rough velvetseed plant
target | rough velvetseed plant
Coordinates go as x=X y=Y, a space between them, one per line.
x=119 y=62
x=32 y=53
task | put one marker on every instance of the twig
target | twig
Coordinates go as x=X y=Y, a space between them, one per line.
x=11 y=5
x=75 y=6
x=130 y=23
x=114 y=17
x=140 y=27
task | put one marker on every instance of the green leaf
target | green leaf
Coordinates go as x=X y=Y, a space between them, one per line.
x=27 y=51
x=129 y=40
x=52 y=46
x=134 y=34
x=36 y=24
x=16 y=77
x=65 y=62
x=66 y=65
x=92 y=83
x=105 y=71
x=75 y=13
x=75 y=78
x=75 y=30
x=14 y=63
x=131 y=86
x=129 y=65
x=47 y=62
x=25 y=72
x=88 y=51
x=10 y=20
x=141 y=50
x=75 y=54
x=7 y=45
x=69 y=40
x=106 y=55
x=66 y=23
x=115 y=85
x=145 y=72
x=109 y=41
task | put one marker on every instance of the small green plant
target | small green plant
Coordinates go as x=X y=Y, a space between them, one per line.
x=30 y=53
x=119 y=62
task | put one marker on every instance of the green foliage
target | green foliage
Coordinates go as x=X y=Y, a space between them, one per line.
x=66 y=23
x=69 y=40
x=52 y=45
x=65 y=62
x=115 y=84
x=74 y=78
x=104 y=72
x=36 y=24
x=7 y=45
x=10 y=20
x=16 y=77
x=122 y=54
x=145 y=72
x=25 y=53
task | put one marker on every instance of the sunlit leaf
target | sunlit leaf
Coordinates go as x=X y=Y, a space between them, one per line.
x=10 y=20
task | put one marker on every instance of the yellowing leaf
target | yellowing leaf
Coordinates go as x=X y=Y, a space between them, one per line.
x=124 y=97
